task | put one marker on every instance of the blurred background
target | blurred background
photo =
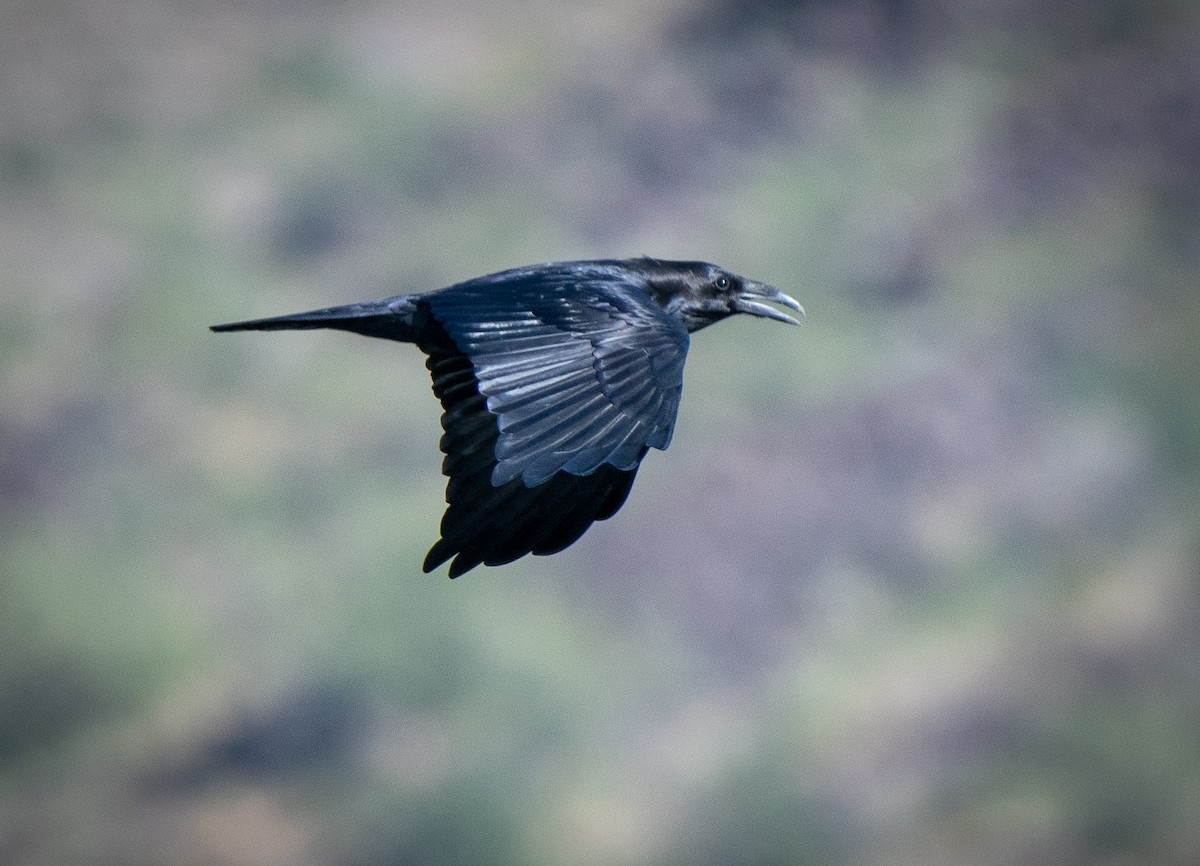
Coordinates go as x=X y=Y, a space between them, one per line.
x=917 y=584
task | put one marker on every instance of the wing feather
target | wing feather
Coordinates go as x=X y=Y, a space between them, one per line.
x=554 y=385
x=580 y=370
x=489 y=524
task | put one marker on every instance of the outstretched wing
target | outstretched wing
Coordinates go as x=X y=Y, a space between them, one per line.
x=495 y=524
x=580 y=370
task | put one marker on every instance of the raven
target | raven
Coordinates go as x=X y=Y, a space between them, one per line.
x=555 y=380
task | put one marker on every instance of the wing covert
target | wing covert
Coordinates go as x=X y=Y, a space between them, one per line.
x=577 y=373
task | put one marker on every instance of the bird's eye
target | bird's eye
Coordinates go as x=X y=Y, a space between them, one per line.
x=722 y=282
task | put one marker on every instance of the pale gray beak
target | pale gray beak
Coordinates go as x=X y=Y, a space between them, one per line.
x=750 y=301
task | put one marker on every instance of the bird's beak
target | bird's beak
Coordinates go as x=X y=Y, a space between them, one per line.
x=750 y=301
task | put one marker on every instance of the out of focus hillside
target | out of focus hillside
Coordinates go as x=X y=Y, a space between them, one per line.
x=915 y=584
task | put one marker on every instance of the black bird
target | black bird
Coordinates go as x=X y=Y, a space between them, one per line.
x=555 y=381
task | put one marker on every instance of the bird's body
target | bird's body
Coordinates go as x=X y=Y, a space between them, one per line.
x=555 y=380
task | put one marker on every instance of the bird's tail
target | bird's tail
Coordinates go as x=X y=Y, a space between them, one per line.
x=391 y=319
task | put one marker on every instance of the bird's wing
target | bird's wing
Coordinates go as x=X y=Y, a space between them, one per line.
x=580 y=371
x=495 y=524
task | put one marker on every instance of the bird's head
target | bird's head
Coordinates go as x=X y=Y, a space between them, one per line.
x=698 y=294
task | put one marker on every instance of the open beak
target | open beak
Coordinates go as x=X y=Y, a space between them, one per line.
x=751 y=301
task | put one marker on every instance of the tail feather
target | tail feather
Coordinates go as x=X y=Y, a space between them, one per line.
x=391 y=319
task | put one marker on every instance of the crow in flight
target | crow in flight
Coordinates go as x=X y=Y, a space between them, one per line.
x=555 y=380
